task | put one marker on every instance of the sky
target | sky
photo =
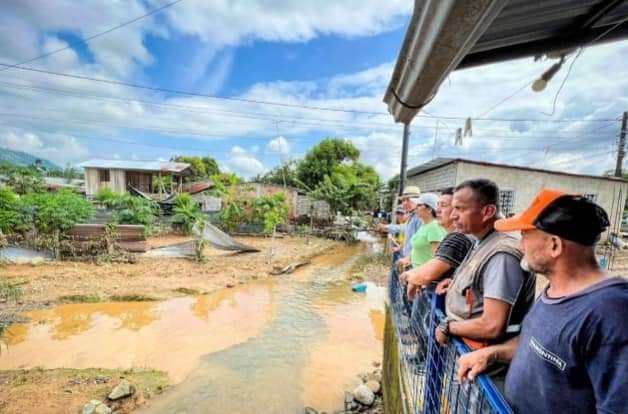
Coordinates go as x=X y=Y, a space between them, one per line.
x=323 y=54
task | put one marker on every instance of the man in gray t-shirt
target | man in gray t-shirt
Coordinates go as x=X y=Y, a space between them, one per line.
x=490 y=293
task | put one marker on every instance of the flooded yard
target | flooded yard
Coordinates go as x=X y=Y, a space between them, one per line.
x=273 y=346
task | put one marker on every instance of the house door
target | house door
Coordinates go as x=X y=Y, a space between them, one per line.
x=139 y=181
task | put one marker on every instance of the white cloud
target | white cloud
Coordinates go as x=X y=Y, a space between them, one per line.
x=279 y=145
x=243 y=163
x=223 y=22
x=58 y=148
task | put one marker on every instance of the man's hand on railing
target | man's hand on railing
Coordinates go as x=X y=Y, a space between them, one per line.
x=442 y=286
x=441 y=338
x=412 y=291
x=474 y=363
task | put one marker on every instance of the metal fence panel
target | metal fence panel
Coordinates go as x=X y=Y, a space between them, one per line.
x=428 y=369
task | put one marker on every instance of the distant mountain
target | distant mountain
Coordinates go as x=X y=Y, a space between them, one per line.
x=24 y=159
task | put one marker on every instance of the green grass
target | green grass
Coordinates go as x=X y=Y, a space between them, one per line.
x=187 y=291
x=132 y=297
x=80 y=298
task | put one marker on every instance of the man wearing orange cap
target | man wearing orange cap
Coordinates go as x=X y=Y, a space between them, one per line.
x=572 y=352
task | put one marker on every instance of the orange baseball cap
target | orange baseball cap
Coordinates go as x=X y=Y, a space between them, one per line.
x=527 y=219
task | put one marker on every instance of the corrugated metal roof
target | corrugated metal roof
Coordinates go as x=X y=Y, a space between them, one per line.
x=445 y=35
x=440 y=162
x=164 y=166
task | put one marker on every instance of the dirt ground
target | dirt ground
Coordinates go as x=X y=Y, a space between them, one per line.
x=67 y=390
x=158 y=278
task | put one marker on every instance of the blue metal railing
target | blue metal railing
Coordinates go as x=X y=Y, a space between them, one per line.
x=429 y=370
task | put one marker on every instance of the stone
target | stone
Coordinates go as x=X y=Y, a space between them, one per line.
x=364 y=395
x=95 y=407
x=376 y=364
x=230 y=285
x=310 y=410
x=123 y=389
x=375 y=376
x=374 y=386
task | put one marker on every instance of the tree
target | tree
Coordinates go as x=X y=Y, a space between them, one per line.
x=322 y=158
x=202 y=167
x=350 y=187
x=284 y=174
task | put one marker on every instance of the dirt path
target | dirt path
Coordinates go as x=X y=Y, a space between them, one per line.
x=158 y=278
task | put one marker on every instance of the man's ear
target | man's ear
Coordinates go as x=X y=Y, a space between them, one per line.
x=557 y=246
x=489 y=211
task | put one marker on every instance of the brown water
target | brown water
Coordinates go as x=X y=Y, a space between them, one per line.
x=269 y=347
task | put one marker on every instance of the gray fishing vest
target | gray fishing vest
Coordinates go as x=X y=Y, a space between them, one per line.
x=468 y=276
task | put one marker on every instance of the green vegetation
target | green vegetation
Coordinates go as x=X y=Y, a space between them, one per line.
x=128 y=209
x=186 y=212
x=202 y=167
x=322 y=158
x=270 y=211
x=10 y=291
x=132 y=297
x=186 y=291
x=80 y=298
x=331 y=172
x=23 y=180
x=48 y=213
x=59 y=211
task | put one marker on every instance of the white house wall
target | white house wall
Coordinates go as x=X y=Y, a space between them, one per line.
x=436 y=179
x=526 y=184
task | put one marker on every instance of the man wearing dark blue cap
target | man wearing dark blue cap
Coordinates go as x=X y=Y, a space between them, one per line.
x=572 y=352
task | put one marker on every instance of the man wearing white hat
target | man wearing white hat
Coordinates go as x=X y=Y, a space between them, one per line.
x=410 y=227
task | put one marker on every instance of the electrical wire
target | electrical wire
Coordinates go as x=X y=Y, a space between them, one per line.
x=92 y=37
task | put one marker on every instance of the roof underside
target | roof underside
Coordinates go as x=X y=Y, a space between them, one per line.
x=445 y=35
x=146 y=166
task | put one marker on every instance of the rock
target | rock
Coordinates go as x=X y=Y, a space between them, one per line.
x=123 y=389
x=374 y=386
x=230 y=285
x=376 y=364
x=310 y=410
x=95 y=407
x=375 y=376
x=101 y=379
x=364 y=395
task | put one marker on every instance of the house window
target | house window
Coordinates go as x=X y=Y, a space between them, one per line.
x=104 y=176
x=507 y=202
x=591 y=197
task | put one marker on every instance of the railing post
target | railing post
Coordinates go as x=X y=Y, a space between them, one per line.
x=434 y=364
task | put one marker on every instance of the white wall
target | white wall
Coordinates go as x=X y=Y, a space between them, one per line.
x=526 y=184
x=436 y=179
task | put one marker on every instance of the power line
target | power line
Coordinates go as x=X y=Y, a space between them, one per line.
x=189 y=93
x=279 y=104
x=92 y=37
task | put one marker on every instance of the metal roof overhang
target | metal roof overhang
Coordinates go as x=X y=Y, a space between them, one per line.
x=445 y=35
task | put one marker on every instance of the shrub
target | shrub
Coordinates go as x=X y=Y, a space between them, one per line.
x=14 y=217
x=106 y=196
x=57 y=212
x=270 y=210
x=128 y=209
x=186 y=212
x=23 y=180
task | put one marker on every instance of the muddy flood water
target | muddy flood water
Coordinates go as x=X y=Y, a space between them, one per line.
x=272 y=346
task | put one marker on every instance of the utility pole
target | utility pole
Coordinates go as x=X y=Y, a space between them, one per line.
x=404 y=157
x=622 y=142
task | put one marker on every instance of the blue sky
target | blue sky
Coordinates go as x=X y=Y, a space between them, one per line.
x=322 y=54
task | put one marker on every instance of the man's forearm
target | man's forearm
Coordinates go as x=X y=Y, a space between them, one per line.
x=504 y=352
x=477 y=328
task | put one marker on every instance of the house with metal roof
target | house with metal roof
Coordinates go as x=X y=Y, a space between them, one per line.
x=519 y=185
x=119 y=175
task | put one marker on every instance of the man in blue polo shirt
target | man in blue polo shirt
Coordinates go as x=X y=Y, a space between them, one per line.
x=572 y=353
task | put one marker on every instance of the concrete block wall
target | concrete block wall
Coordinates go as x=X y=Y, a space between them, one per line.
x=436 y=179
